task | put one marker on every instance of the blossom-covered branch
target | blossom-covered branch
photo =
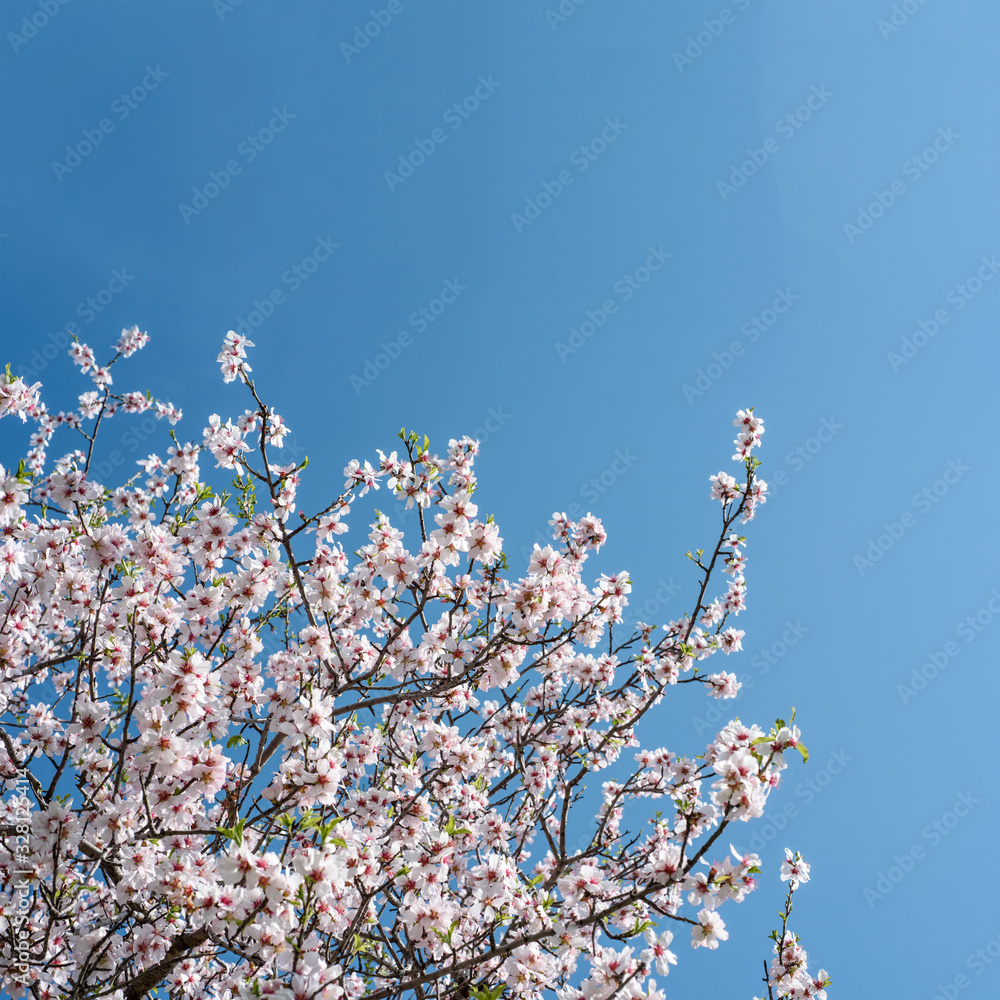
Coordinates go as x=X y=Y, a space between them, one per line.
x=261 y=765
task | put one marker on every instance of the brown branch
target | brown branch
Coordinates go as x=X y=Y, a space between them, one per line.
x=147 y=980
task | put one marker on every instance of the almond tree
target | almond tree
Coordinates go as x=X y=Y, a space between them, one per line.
x=240 y=761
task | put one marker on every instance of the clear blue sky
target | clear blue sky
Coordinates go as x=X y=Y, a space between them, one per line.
x=826 y=171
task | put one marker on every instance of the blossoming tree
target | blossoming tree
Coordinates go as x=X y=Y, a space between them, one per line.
x=384 y=804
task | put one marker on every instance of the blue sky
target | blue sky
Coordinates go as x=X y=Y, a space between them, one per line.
x=622 y=222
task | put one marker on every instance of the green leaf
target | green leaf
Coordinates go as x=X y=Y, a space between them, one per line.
x=235 y=741
x=325 y=828
x=801 y=747
x=234 y=832
x=446 y=938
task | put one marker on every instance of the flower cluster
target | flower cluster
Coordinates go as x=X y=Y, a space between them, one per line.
x=748 y=436
x=232 y=358
x=17 y=397
x=264 y=765
x=725 y=488
x=794 y=870
x=789 y=974
x=97 y=404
